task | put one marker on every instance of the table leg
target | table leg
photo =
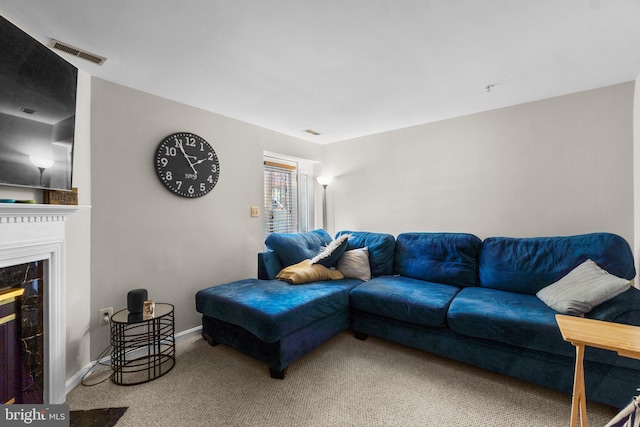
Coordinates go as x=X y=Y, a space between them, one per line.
x=579 y=401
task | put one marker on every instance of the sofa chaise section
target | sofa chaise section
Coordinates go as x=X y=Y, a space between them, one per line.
x=276 y=322
x=273 y=321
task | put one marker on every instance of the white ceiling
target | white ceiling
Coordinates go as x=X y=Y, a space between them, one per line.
x=346 y=68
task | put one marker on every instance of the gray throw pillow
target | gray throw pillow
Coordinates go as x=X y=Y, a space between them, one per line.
x=583 y=288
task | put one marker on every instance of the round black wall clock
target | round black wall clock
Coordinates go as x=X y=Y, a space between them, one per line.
x=187 y=165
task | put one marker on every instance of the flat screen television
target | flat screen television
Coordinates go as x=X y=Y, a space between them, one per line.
x=37 y=112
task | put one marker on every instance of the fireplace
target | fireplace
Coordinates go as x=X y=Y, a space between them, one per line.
x=22 y=333
x=34 y=235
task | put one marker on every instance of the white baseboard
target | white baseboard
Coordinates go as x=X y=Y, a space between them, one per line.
x=76 y=379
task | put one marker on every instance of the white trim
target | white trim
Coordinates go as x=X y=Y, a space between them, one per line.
x=188 y=332
x=23 y=212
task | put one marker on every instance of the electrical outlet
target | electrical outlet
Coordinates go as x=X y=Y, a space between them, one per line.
x=108 y=311
x=255 y=211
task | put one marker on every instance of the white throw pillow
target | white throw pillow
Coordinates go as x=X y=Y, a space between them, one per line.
x=354 y=264
x=583 y=288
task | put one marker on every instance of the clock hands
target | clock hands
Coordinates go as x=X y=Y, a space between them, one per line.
x=186 y=156
x=179 y=179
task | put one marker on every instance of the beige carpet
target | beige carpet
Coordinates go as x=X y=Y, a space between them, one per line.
x=345 y=382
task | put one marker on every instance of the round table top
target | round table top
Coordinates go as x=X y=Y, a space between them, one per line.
x=123 y=316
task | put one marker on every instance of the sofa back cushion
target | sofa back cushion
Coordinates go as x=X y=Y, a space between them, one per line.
x=448 y=258
x=381 y=249
x=526 y=265
x=291 y=248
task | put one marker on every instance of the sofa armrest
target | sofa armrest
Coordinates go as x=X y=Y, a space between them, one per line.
x=624 y=308
x=268 y=265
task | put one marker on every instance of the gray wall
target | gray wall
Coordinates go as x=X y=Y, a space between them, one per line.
x=554 y=167
x=143 y=236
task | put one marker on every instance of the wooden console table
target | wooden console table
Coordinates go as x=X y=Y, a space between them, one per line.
x=581 y=332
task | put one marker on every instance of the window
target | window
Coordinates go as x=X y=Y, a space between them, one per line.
x=287 y=197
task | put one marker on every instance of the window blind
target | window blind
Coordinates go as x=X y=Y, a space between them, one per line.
x=280 y=198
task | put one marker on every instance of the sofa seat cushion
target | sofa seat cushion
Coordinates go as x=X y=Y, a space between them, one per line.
x=507 y=317
x=272 y=309
x=404 y=299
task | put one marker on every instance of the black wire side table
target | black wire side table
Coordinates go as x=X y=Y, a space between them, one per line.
x=143 y=348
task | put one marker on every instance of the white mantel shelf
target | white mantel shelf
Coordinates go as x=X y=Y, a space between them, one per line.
x=24 y=212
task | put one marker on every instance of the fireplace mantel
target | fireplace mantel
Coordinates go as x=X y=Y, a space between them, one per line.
x=23 y=212
x=34 y=232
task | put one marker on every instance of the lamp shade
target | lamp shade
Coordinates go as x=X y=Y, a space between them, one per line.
x=40 y=162
x=324 y=180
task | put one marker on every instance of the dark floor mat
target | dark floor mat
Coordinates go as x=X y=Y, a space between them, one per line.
x=104 y=417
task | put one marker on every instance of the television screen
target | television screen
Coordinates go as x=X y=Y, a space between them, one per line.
x=37 y=112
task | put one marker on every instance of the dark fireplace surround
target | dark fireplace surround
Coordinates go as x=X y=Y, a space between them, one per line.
x=22 y=333
x=32 y=267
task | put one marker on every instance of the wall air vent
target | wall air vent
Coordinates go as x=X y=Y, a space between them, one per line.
x=71 y=50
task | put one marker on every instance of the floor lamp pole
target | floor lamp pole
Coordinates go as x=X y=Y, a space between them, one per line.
x=324 y=181
x=41 y=174
x=324 y=207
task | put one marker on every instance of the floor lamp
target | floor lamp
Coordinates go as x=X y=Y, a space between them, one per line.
x=324 y=181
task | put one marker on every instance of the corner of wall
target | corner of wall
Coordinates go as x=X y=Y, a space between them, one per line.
x=636 y=172
x=78 y=234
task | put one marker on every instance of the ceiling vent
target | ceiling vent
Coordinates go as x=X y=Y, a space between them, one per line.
x=72 y=50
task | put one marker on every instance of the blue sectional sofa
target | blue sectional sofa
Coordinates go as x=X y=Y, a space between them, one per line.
x=451 y=294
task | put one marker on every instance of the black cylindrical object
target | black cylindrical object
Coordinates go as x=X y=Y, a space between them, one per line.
x=136 y=299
